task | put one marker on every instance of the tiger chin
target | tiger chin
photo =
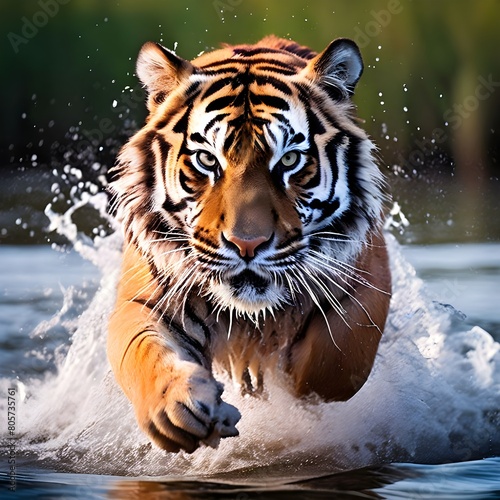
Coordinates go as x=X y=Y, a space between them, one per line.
x=252 y=210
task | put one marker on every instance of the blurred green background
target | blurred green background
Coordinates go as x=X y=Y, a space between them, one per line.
x=430 y=95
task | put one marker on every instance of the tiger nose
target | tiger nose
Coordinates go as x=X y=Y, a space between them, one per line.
x=247 y=246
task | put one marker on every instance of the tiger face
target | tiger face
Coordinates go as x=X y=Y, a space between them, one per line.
x=251 y=183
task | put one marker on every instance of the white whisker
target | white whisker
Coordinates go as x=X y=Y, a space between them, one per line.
x=352 y=273
x=230 y=323
x=348 y=294
x=316 y=301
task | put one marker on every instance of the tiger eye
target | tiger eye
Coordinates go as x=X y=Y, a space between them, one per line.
x=206 y=159
x=290 y=159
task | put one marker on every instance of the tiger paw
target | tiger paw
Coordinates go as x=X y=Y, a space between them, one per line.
x=189 y=411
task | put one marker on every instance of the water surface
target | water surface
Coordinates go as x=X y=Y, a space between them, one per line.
x=433 y=396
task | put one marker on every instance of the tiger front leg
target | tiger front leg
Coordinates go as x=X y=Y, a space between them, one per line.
x=177 y=400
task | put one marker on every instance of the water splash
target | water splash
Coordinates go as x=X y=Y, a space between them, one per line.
x=433 y=395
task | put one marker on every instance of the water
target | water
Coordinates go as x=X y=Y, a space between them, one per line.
x=433 y=396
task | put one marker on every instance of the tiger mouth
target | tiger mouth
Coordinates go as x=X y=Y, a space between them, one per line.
x=249 y=280
x=248 y=293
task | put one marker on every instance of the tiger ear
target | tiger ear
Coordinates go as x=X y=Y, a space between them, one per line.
x=160 y=71
x=339 y=66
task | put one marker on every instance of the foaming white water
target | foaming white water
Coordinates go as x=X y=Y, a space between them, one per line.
x=433 y=396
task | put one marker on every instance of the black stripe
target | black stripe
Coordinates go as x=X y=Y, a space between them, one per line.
x=207 y=247
x=281 y=118
x=191 y=345
x=162 y=123
x=172 y=207
x=303 y=93
x=196 y=137
x=191 y=93
x=292 y=255
x=182 y=123
x=148 y=172
x=315 y=125
x=204 y=254
x=314 y=180
x=249 y=52
x=273 y=137
x=214 y=120
x=286 y=133
x=197 y=215
x=221 y=71
x=228 y=142
x=289 y=49
x=297 y=138
x=328 y=207
x=184 y=179
x=220 y=103
x=207 y=242
x=274 y=64
x=331 y=150
x=196 y=319
x=274 y=82
x=164 y=151
x=216 y=86
x=358 y=194
x=192 y=90
x=269 y=100
x=280 y=71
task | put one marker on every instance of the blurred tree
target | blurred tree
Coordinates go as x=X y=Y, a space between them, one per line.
x=69 y=89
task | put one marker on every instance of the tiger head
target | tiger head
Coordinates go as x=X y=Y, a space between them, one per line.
x=251 y=182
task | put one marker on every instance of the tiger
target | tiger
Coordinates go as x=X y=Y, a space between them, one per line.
x=252 y=208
